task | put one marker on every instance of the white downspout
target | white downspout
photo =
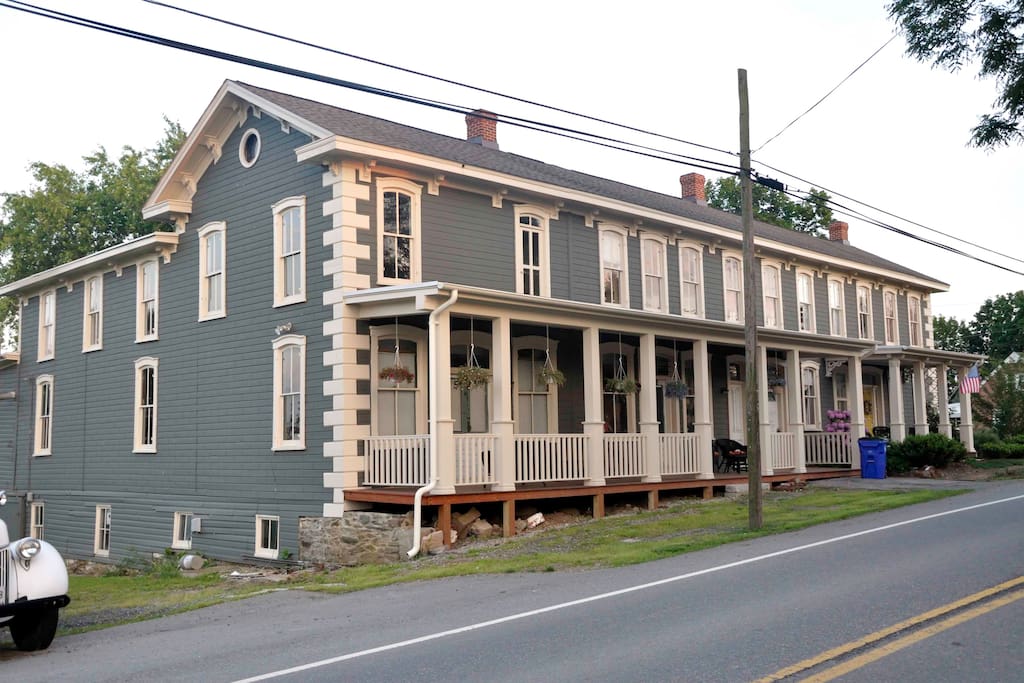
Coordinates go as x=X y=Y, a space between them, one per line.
x=432 y=388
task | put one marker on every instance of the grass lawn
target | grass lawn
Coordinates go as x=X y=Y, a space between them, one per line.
x=684 y=526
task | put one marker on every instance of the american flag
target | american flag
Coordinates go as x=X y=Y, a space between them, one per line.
x=971 y=384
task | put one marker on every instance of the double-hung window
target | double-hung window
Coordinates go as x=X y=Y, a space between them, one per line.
x=811 y=393
x=614 y=273
x=892 y=334
x=770 y=285
x=914 y=315
x=147 y=286
x=732 y=277
x=536 y=401
x=532 y=252
x=690 y=270
x=145 y=405
x=289 y=393
x=182 y=539
x=38 y=517
x=398 y=231
x=101 y=531
x=836 y=308
x=92 y=332
x=864 y=324
x=44 y=415
x=652 y=255
x=268 y=531
x=212 y=271
x=47 y=324
x=290 y=251
x=805 y=302
x=397 y=386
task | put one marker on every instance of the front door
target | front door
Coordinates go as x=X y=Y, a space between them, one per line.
x=870 y=405
x=737 y=413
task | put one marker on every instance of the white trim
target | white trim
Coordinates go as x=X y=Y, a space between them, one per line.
x=662 y=244
x=870 y=312
x=681 y=247
x=544 y=266
x=47 y=348
x=895 y=338
x=102 y=522
x=919 y=342
x=815 y=368
x=267 y=551
x=182 y=522
x=808 y=322
x=41 y=445
x=249 y=163
x=728 y=255
x=280 y=443
x=140 y=308
x=409 y=333
x=841 y=332
x=141 y=365
x=205 y=233
x=280 y=209
x=534 y=343
x=37 y=519
x=623 y=240
x=415 y=236
x=779 y=319
x=87 y=327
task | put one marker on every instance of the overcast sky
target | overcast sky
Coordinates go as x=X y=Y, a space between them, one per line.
x=893 y=136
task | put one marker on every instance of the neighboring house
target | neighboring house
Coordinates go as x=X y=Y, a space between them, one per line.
x=284 y=350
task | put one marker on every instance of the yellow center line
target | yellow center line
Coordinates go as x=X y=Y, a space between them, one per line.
x=841 y=650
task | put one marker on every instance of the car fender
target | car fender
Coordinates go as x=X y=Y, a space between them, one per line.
x=44 y=576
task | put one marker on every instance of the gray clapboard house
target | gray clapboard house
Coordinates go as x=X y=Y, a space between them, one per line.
x=290 y=346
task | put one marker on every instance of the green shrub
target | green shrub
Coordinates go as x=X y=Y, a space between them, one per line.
x=936 y=450
x=1000 y=450
x=984 y=435
x=1016 y=438
x=896 y=464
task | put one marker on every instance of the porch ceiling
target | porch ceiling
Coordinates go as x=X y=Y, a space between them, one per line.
x=927 y=356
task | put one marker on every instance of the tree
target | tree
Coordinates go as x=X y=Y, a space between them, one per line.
x=998 y=327
x=951 y=33
x=811 y=215
x=68 y=214
x=954 y=335
x=1001 y=402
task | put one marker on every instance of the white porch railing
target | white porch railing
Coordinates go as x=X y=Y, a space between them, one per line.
x=474 y=459
x=623 y=455
x=397 y=460
x=782 y=449
x=828 y=448
x=680 y=453
x=550 y=457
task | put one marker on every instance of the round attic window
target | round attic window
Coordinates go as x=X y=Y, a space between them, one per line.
x=249 y=147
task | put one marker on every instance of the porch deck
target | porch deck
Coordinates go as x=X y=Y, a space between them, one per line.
x=404 y=496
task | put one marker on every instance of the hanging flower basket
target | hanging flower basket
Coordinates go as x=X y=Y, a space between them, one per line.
x=469 y=376
x=838 y=421
x=396 y=374
x=776 y=381
x=549 y=375
x=621 y=385
x=676 y=389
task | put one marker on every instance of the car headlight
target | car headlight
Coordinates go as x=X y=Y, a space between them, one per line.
x=29 y=548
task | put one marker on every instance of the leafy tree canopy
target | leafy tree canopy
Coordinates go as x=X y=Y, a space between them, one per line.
x=811 y=215
x=997 y=330
x=951 y=33
x=1001 y=404
x=68 y=214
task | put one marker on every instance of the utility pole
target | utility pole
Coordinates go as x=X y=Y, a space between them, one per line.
x=752 y=374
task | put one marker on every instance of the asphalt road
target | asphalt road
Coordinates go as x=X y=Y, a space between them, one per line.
x=735 y=613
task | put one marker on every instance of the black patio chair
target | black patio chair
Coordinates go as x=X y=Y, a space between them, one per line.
x=732 y=455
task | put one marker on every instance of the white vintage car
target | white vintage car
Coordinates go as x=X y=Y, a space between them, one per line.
x=33 y=587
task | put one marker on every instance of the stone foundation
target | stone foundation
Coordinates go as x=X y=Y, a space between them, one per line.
x=357 y=538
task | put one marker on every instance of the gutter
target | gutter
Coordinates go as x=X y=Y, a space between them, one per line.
x=432 y=390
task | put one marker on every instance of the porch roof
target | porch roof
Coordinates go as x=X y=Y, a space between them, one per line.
x=928 y=356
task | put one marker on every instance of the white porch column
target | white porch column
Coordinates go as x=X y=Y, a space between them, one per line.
x=502 y=425
x=649 y=409
x=920 y=399
x=795 y=405
x=966 y=417
x=897 y=425
x=593 y=421
x=855 y=399
x=702 y=408
x=444 y=429
x=945 y=428
x=764 y=425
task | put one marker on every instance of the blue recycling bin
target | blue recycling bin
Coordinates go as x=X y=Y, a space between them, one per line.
x=872 y=458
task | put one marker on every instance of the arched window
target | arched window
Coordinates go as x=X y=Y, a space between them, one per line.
x=212 y=271
x=691 y=269
x=652 y=257
x=836 y=308
x=398 y=231
x=892 y=332
x=44 y=415
x=865 y=326
x=147 y=287
x=289 y=393
x=614 y=270
x=811 y=394
x=805 y=302
x=732 y=282
x=145 y=405
x=771 y=286
x=532 y=259
x=289 y=251
x=92 y=330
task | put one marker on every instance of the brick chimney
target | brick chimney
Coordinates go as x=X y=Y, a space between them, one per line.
x=839 y=231
x=693 y=188
x=482 y=128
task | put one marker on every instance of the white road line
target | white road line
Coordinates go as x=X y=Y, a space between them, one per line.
x=611 y=594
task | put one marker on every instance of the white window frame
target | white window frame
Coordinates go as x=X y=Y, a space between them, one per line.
x=655 y=268
x=282 y=209
x=47 y=325
x=37 y=519
x=418 y=337
x=534 y=343
x=266 y=551
x=101 y=531
x=248 y=163
x=894 y=319
x=543 y=267
x=621 y=235
x=840 y=399
x=208 y=271
x=806 y=315
x=915 y=320
x=280 y=345
x=768 y=303
x=139 y=409
x=812 y=422
x=834 y=311
x=696 y=284
x=181 y=536
x=43 y=441
x=141 y=335
x=480 y=341
x=866 y=314
x=737 y=314
x=92 y=314
x=415 y=192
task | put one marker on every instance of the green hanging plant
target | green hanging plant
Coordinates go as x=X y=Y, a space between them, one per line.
x=469 y=376
x=676 y=389
x=621 y=385
x=550 y=375
x=396 y=374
